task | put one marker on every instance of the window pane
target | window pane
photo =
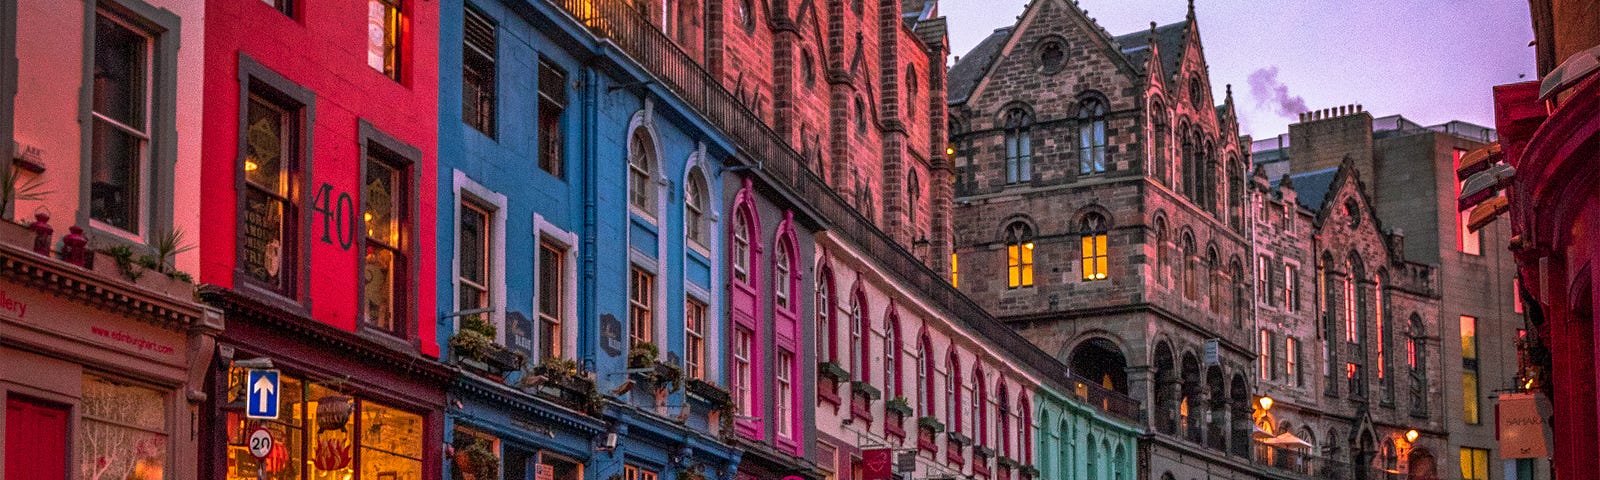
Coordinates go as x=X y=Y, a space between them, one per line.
x=383 y=37
x=384 y=204
x=378 y=292
x=120 y=56
x=473 y=232
x=551 y=268
x=391 y=442
x=123 y=432
x=115 y=175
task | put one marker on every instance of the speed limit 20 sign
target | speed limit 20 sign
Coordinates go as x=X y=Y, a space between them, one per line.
x=260 y=443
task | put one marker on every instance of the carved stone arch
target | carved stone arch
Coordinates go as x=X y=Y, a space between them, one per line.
x=1000 y=230
x=1165 y=389
x=1083 y=217
x=1217 y=400
x=1240 y=398
x=1015 y=114
x=1099 y=358
x=1083 y=97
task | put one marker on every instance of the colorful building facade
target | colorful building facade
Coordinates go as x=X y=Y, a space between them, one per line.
x=318 y=165
x=103 y=348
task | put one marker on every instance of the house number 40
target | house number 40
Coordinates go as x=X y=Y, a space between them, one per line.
x=339 y=216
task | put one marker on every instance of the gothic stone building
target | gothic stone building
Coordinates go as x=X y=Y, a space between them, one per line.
x=1347 y=343
x=1099 y=189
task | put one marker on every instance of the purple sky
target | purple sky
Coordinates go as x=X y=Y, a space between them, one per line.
x=1430 y=60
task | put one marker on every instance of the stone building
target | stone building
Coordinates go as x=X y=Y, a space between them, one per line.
x=1100 y=187
x=1348 y=345
x=1413 y=189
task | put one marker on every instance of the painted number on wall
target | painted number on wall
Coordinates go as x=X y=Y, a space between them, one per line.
x=338 y=216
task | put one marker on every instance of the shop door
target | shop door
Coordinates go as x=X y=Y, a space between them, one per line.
x=36 y=440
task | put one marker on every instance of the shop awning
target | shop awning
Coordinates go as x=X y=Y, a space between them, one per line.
x=1477 y=160
x=1486 y=212
x=1287 y=440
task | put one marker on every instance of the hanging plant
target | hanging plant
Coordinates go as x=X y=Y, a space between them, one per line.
x=643 y=355
x=333 y=412
x=478 y=459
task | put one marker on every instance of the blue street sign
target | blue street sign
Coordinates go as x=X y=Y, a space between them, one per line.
x=261 y=400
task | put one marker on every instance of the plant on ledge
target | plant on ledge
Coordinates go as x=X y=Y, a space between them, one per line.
x=712 y=393
x=1030 y=471
x=866 y=390
x=930 y=424
x=900 y=406
x=474 y=347
x=983 y=451
x=668 y=376
x=475 y=458
x=834 y=371
x=959 y=439
x=643 y=355
x=1008 y=462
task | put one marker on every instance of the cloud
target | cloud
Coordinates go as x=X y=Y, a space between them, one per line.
x=1267 y=90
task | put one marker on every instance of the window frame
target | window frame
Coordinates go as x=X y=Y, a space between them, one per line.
x=495 y=205
x=143 y=198
x=552 y=147
x=1091 y=136
x=394 y=58
x=695 y=333
x=487 y=99
x=642 y=284
x=1018 y=123
x=642 y=179
x=257 y=80
x=403 y=158
x=1019 y=242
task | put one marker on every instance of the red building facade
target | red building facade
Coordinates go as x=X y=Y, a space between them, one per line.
x=319 y=155
x=1550 y=134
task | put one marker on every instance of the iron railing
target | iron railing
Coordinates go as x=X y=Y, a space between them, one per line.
x=634 y=34
x=1108 y=400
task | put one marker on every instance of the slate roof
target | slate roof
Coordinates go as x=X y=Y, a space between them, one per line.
x=1169 y=38
x=1311 y=188
x=966 y=73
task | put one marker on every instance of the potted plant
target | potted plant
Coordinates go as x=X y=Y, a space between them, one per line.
x=474 y=348
x=833 y=371
x=713 y=394
x=865 y=390
x=668 y=376
x=643 y=355
x=930 y=424
x=899 y=406
x=475 y=459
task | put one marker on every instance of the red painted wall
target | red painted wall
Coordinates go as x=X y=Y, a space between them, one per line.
x=323 y=49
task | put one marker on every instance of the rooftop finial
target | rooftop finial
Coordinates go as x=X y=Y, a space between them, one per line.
x=1191 y=9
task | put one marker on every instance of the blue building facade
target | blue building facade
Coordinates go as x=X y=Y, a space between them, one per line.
x=579 y=286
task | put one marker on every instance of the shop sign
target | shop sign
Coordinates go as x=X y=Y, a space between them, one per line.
x=611 y=335
x=1521 y=426
x=262 y=400
x=519 y=334
x=877 y=464
x=545 y=472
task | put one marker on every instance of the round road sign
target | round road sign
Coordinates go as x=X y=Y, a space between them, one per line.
x=260 y=443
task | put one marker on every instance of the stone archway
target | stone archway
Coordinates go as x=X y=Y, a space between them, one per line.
x=1166 y=391
x=1100 y=361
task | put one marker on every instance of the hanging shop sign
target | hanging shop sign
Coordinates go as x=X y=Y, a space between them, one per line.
x=1521 y=426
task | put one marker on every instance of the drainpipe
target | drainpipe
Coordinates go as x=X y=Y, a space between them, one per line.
x=589 y=139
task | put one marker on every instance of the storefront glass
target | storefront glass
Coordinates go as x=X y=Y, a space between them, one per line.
x=123 y=431
x=324 y=434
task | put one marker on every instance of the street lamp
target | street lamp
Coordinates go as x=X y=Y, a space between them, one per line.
x=1411 y=436
x=1265 y=402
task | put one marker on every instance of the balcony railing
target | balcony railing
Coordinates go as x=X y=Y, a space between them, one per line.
x=1107 y=400
x=1294 y=461
x=632 y=33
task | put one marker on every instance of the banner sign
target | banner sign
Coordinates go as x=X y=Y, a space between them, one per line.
x=877 y=464
x=1521 y=426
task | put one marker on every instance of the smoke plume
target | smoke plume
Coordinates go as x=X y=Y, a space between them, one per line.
x=1267 y=90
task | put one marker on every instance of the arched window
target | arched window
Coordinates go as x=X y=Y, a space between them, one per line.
x=1019 y=146
x=1416 y=356
x=913 y=196
x=1214 y=269
x=980 y=411
x=1019 y=255
x=1091 y=136
x=827 y=339
x=952 y=391
x=911 y=91
x=925 y=392
x=1025 y=438
x=1159 y=129
x=1092 y=458
x=1196 y=96
x=1052 y=56
x=784 y=273
x=858 y=335
x=696 y=224
x=1163 y=253
x=1003 y=414
x=641 y=168
x=1190 y=165
x=808 y=68
x=742 y=252
x=1190 y=290
x=891 y=355
x=1093 y=229
x=1240 y=296
x=1380 y=320
x=747 y=14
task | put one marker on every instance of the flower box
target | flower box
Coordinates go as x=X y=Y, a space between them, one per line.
x=930 y=424
x=833 y=371
x=864 y=389
x=900 y=406
x=711 y=393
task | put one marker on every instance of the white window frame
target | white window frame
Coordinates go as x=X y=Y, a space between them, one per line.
x=546 y=231
x=466 y=189
x=146 y=136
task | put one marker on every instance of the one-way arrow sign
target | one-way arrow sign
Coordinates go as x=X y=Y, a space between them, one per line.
x=262 y=400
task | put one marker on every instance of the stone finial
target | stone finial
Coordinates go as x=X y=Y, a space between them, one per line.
x=43 y=234
x=75 y=247
x=1191 y=9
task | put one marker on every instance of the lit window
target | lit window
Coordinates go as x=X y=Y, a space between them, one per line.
x=955 y=270
x=552 y=298
x=120 y=146
x=1291 y=360
x=478 y=71
x=785 y=401
x=1352 y=324
x=383 y=36
x=1474 y=464
x=1019 y=255
x=641 y=292
x=269 y=252
x=123 y=431
x=1469 y=371
x=472 y=251
x=1291 y=287
x=378 y=438
x=641 y=169
x=744 y=402
x=1091 y=137
x=1467 y=241
x=694 y=331
x=385 y=279
x=630 y=472
x=1094 y=247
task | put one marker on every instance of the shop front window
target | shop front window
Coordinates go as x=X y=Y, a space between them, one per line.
x=123 y=431
x=322 y=433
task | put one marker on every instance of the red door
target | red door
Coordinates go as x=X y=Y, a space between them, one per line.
x=36 y=440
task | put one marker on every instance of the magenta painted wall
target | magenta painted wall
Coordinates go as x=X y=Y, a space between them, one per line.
x=323 y=50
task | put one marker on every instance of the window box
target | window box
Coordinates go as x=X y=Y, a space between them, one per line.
x=980 y=466
x=833 y=371
x=900 y=406
x=864 y=389
x=929 y=424
x=983 y=452
x=711 y=393
x=1009 y=463
x=1030 y=471
x=560 y=381
x=643 y=355
x=473 y=347
x=925 y=440
x=958 y=439
x=893 y=420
